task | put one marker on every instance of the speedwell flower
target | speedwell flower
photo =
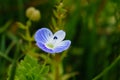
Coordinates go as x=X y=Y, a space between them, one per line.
x=51 y=43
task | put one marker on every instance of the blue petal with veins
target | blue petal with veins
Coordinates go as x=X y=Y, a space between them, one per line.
x=51 y=43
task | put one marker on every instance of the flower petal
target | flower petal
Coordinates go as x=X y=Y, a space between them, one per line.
x=62 y=46
x=44 y=48
x=59 y=36
x=43 y=35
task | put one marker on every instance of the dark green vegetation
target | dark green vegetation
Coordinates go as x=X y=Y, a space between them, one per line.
x=93 y=26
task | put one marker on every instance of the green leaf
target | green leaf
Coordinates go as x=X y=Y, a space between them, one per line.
x=45 y=70
x=22 y=26
x=29 y=69
x=5 y=27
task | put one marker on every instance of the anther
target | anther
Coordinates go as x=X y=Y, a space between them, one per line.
x=55 y=37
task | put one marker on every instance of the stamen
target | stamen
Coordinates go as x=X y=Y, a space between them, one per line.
x=50 y=45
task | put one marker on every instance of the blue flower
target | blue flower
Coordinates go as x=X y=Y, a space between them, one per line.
x=51 y=43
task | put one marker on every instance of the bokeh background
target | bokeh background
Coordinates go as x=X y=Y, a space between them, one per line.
x=93 y=26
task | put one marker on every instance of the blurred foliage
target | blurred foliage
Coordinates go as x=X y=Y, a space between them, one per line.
x=93 y=26
x=29 y=69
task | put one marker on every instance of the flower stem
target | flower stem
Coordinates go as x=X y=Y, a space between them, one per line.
x=28 y=32
x=107 y=69
x=57 y=67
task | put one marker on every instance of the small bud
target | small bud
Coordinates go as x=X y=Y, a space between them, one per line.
x=30 y=11
x=61 y=4
x=33 y=14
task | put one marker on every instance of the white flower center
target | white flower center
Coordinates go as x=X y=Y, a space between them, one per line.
x=52 y=43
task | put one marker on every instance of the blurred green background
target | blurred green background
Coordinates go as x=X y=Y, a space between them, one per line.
x=93 y=26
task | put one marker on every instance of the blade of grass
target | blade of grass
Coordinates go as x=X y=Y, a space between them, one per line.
x=14 y=64
x=9 y=48
x=2 y=43
x=21 y=10
x=107 y=69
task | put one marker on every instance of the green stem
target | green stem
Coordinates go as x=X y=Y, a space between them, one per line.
x=57 y=67
x=28 y=36
x=28 y=24
x=107 y=69
x=5 y=56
